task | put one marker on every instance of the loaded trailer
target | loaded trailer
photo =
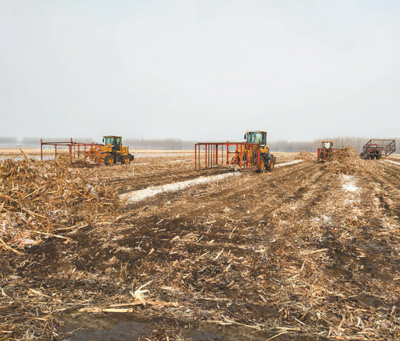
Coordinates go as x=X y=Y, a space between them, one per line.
x=375 y=148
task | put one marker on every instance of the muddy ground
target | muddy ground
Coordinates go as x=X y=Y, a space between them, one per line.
x=304 y=252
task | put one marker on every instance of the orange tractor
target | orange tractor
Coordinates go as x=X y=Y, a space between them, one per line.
x=325 y=152
x=111 y=152
x=252 y=154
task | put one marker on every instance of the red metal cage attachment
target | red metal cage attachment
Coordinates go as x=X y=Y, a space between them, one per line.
x=79 y=153
x=241 y=155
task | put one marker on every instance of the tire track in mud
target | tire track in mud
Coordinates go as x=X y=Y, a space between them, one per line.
x=223 y=207
x=248 y=195
x=254 y=184
x=204 y=231
x=226 y=191
x=161 y=176
x=211 y=214
x=388 y=178
x=206 y=252
x=379 y=231
x=304 y=191
x=280 y=190
x=388 y=190
x=344 y=266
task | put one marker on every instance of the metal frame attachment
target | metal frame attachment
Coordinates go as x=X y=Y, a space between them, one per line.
x=227 y=154
x=385 y=145
x=79 y=153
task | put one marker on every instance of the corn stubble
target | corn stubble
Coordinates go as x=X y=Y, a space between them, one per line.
x=308 y=250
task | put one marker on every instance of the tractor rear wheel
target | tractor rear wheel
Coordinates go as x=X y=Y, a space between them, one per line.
x=108 y=160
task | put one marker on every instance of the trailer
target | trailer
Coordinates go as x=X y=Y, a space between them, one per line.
x=375 y=148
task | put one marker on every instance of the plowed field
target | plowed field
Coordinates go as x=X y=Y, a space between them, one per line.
x=307 y=251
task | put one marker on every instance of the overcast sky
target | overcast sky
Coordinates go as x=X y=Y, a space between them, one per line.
x=200 y=70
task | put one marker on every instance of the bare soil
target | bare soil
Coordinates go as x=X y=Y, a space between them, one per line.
x=308 y=251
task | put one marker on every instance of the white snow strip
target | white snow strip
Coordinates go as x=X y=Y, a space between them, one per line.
x=175 y=187
x=349 y=184
x=288 y=163
x=143 y=194
x=394 y=162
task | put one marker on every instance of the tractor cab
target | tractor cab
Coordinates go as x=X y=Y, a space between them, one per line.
x=327 y=144
x=325 y=152
x=114 y=141
x=258 y=137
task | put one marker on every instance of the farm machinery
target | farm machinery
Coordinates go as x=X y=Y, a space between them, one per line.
x=375 y=148
x=111 y=151
x=252 y=154
x=325 y=152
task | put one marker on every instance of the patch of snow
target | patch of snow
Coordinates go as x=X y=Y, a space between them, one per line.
x=393 y=162
x=91 y=188
x=349 y=184
x=323 y=218
x=327 y=219
x=27 y=241
x=175 y=187
x=288 y=163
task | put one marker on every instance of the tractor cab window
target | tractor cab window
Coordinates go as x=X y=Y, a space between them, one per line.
x=115 y=141
x=258 y=137
x=327 y=145
x=109 y=140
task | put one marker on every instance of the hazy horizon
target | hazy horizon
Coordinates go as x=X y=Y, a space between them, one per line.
x=200 y=70
x=4 y=140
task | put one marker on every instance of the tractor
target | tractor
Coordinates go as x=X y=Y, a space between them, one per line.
x=325 y=152
x=112 y=151
x=255 y=151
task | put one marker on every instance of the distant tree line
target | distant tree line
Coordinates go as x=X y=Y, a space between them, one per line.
x=164 y=144
x=8 y=140
x=177 y=144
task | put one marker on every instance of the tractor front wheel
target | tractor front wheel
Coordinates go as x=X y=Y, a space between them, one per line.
x=262 y=165
x=125 y=160
x=271 y=163
x=108 y=160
